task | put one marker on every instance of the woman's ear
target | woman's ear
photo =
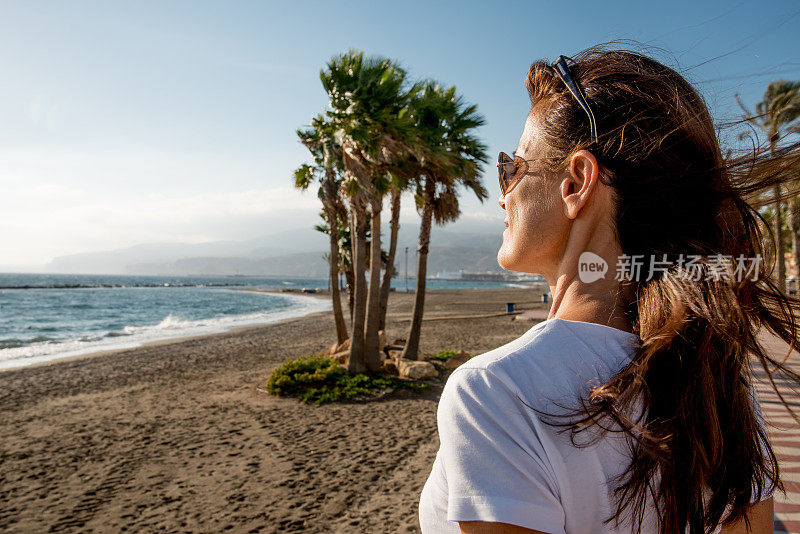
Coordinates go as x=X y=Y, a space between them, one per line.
x=576 y=189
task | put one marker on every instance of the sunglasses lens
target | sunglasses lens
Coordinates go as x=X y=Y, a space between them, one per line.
x=506 y=168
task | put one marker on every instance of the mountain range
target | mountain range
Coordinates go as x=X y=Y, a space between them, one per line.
x=298 y=252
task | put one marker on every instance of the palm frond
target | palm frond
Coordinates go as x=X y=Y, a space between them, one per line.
x=303 y=176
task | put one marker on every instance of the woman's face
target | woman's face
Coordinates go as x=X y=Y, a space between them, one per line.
x=535 y=218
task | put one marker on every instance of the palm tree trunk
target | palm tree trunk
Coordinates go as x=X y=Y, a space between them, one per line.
x=338 y=317
x=351 y=284
x=779 y=241
x=356 y=363
x=371 y=349
x=343 y=217
x=387 y=274
x=794 y=224
x=411 y=350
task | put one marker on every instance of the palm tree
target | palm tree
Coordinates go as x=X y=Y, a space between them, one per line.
x=394 y=226
x=345 y=250
x=774 y=115
x=368 y=103
x=320 y=142
x=343 y=239
x=451 y=156
x=403 y=175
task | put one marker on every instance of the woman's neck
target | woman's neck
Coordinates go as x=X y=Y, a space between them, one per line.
x=602 y=302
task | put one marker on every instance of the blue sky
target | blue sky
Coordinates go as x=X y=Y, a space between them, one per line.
x=134 y=122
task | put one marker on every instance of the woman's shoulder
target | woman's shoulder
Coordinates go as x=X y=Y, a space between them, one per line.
x=522 y=351
x=553 y=360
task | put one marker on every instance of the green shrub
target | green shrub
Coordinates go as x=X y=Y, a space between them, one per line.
x=443 y=355
x=320 y=379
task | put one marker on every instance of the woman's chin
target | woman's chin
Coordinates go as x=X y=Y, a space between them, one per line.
x=504 y=259
x=511 y=260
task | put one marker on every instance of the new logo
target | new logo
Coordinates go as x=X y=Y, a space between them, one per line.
x=591 y=267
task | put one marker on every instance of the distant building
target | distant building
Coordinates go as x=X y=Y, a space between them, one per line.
x=484 y=277
x=488 y=276
x=447 y=275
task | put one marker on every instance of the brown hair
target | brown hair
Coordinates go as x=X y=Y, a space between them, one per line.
x=699 y=446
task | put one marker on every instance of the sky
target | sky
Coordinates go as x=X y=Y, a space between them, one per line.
x=124 y=123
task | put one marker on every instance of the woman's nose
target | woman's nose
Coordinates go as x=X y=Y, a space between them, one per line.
x=502 y=201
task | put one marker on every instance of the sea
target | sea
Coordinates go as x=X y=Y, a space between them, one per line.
x=49 y=316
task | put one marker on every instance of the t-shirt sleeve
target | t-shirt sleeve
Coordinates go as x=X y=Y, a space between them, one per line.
x=494 y=460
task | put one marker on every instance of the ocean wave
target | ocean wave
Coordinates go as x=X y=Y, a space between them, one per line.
x=117 y=333
x=11 y=343
x=17 y=353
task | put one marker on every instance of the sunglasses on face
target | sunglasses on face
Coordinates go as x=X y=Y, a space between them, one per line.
x=511 y=170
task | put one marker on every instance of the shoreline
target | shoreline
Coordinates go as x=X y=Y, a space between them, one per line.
x=151 y=344
x=321 y=294
x=90 y=352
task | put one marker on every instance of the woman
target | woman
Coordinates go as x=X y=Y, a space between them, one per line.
x=631 y=407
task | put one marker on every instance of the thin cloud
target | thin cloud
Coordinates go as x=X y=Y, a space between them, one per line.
x=49 y=220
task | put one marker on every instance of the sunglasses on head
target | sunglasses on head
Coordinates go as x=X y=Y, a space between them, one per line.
x=511 y=170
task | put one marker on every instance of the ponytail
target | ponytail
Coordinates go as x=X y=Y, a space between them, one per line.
x=700 y=454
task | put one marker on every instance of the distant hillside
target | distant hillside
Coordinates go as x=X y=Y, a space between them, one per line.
x=300 y=265
x=127 y=260
x=313 y=264
x=297 y=252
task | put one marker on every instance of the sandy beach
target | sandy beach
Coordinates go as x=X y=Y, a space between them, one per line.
x=175 y=436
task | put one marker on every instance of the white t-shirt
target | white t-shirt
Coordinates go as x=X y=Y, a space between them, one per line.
x=499 y=462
